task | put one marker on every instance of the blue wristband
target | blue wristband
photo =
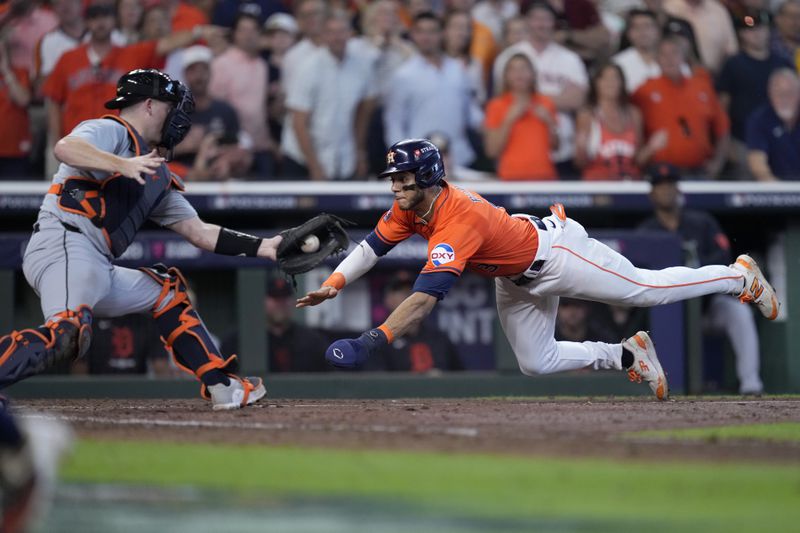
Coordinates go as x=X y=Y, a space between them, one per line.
x=373 y=340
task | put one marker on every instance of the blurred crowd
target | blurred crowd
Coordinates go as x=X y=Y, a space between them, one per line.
x=514 y=90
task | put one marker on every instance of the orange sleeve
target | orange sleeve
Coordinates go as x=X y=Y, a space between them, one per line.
x=186 y=17
x=394 y=226
x=55 y=86
x=140 y=55
x=494 y=113
x=451 y=248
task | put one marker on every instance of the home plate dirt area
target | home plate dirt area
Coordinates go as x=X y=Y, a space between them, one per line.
x=599 y=427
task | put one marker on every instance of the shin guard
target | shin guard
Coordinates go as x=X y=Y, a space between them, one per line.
x=28 y=352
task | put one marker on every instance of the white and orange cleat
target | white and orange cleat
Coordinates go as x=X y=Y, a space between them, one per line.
x=646 y=366
x=756 y=288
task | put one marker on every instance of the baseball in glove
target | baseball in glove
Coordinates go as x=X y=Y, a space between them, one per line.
x=332 y=240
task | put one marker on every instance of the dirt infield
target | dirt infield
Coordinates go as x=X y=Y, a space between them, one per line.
x=590 y=428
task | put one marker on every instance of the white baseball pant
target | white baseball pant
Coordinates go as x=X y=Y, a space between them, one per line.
x=577 y=266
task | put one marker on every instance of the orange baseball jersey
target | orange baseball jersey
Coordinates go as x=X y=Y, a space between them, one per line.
x=466 y=232
x=82 y=89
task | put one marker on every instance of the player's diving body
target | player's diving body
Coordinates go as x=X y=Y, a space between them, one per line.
x=534 y=262
x=109 y=183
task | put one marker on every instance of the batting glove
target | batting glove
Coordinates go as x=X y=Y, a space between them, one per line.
x=352 y=353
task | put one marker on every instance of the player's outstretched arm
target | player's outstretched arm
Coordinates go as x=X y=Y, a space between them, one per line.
x=352 y=353
x=225 y=241
x=356 y=264
x=80 y=153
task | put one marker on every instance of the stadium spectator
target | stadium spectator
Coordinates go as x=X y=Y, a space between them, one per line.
x=482 y=45
x=515 y=31
x=574 y=323
x=713 y=29
x=520 y=126
x=669 y=25
x=430 y=92
x=686 y=108
x=561 y=76
x=240 y=77
x=280 y=34
x=704 y=243
x=128 y=344
x=785 y=40
x=291 y=347
x=183 y=16
x=325 y=137
x=638 y=61
x=494 y=14
x=85 y=78
x=155 y=25
x=214 y=148
x=423 y=350
x=608 y=141
x=310 y=16
x=457 y=41
x=742 y=84
x=23 y=24
x=455 y=172
x=66 y=36
x=617 y=321
x=15 y=139
x=773 y=130
x=226 y=11
x=580 y=29
x=129 y=21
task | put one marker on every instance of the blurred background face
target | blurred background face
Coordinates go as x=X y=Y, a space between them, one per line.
x=644 y=32
x=129 y=14
x=395 y=296
x=279 y=41
x=572 y=314
x=100 y=28
x=787 y=20
x=311 y=18
x=337 y=33
x=670 y=58
x=247 y=35
x=197 y=76
x=784 y=95
x=516 y=30
x=665 y=196
x=380 y=18
x=427 y=36
x=609 y=84
x=519 y=75
x=279 y=309
x=755 y=38
x=541 y=24
x=415 y=7
x=155 y=24
x=457 y=31
x=68 y=11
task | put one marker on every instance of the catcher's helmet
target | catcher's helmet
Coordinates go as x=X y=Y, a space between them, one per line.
x=419 y=156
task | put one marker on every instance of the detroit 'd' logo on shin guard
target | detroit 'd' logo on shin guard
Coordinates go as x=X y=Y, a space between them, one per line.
x=442 y=253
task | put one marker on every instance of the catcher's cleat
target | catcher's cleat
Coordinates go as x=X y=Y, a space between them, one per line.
x=240 y=392
x=756 y=288
x=646 y=366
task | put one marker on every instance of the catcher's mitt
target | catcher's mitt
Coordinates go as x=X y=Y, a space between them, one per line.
x=332 y=240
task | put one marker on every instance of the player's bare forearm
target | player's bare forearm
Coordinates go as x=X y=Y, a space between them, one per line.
x=79 y=153
x=410 y=313
x=206 y=236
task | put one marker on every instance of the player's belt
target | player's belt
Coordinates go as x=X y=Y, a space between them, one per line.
x=532 y=271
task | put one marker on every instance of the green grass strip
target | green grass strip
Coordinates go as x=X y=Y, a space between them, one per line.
x=713 y=497
x=779 y=432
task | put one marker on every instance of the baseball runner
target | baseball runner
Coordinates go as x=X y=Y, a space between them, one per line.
x=110 y=181
x=534 y=262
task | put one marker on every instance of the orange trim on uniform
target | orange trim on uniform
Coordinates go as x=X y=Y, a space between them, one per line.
x=55 y=189
x=130 y=129
x=442 y=269
x=645 y=284
x=387 y=331
x=335 y=280
x=384 y=239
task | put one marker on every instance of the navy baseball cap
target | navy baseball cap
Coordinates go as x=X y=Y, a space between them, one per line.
x=752 y=19
x=658 y=173
x=279 y=288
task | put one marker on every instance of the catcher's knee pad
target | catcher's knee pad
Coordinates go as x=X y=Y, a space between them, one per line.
x=28 y=352
x=182 y=331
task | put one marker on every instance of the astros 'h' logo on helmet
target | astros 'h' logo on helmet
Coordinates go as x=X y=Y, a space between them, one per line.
x=390 y=158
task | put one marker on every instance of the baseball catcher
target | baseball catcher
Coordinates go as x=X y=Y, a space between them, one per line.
x=112 y=178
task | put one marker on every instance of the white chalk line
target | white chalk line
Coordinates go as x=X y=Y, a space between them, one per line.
x=272 y=426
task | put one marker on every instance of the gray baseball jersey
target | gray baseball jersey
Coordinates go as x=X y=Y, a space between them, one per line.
x=68 y=268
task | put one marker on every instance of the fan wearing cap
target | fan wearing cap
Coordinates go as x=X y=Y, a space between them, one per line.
x=111 y=180
x=704 y=243
x=533 y=261
x=742 y=83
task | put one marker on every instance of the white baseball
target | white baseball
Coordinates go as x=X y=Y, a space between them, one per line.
x=310 y=244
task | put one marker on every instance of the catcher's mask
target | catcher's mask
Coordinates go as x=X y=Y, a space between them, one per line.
x=141 y=84
x=419 y=156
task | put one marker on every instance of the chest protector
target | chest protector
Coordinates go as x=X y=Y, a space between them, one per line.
x=119 y=206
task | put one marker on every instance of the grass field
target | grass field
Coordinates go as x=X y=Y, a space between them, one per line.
x=598 y=495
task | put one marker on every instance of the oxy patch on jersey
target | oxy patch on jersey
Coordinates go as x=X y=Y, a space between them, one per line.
x=442 y=253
